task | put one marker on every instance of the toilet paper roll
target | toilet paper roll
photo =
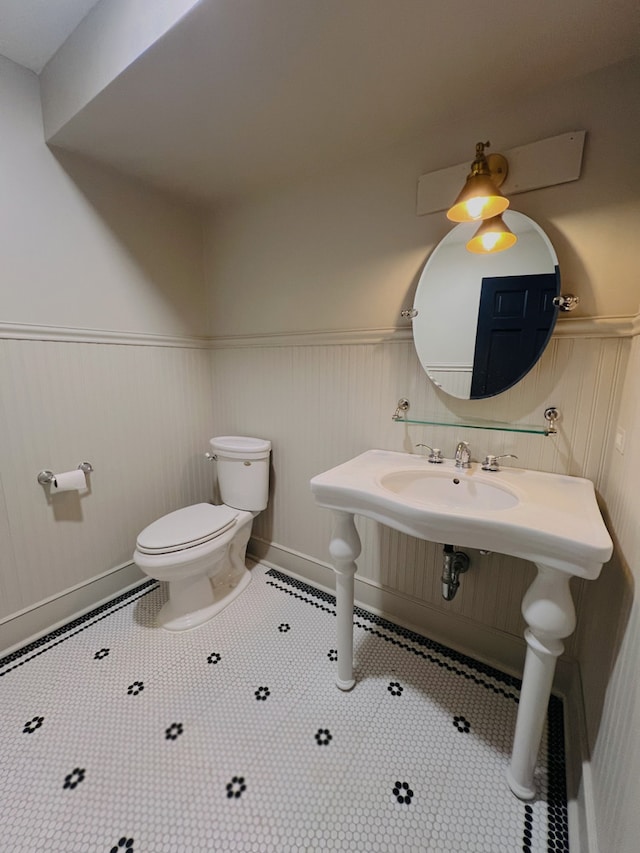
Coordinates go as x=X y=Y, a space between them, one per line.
x=69 y=481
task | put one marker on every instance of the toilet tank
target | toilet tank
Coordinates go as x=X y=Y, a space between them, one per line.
x=243 y=470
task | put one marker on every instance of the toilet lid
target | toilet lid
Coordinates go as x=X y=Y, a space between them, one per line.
x=186 y=528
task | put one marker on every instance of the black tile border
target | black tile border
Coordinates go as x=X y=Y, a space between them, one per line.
x=23 y=655
x=557 y=816
x=405 y=633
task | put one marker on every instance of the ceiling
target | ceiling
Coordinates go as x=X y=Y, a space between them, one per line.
x=243 y=95
x=31 y=31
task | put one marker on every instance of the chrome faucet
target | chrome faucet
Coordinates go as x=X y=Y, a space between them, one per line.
x=463 y=455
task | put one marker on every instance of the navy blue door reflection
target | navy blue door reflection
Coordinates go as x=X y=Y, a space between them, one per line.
x=515 y=320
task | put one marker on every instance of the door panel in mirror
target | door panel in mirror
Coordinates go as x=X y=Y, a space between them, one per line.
x=484 y=320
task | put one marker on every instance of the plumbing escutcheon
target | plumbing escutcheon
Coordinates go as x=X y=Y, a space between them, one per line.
x=461 y=562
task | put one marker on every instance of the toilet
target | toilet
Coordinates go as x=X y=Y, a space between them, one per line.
x=200 y=550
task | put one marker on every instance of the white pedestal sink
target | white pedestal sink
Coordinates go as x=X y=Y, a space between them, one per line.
x=551 y=519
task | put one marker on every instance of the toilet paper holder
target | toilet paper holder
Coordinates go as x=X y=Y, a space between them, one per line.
x=45 y=478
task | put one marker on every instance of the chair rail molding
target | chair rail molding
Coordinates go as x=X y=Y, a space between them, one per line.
x=566 y=327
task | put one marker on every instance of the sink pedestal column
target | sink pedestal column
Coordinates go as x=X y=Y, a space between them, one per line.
x=548 y=611
x=344 y=549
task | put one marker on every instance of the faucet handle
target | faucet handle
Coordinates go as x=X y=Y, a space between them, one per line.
x=435 y=455
x=491 y=462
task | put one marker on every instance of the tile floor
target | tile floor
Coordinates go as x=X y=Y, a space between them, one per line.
x=117 y=737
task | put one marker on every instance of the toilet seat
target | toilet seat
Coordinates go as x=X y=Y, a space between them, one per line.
x=186 y=528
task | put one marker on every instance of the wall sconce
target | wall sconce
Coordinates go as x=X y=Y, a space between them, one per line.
x=492 y=236
x=480 y=198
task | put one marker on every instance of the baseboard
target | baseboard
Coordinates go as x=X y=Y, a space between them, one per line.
x=585 y=807
x=580 y=799
x=47 y=615
x=487 y=645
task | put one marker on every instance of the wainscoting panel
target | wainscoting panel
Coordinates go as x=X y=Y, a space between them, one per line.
x=609 y=640
x=142 y=415
x=321 y=405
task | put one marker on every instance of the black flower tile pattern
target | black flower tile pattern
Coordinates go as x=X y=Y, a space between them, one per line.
x=378 y=768
x=236 y=787
x=402 y=792
x=124 y=845
x=461 y=724
x=323 y=737
x=73 y=779
x=174 y=731
x=32 y=725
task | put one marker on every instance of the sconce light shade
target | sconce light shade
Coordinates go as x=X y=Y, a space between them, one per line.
x=492 y=236
x=480 y=197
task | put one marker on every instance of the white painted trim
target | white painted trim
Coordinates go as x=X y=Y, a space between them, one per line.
x=597 y=327
x=566 y=327
x=580 y=801
x=449 y=368
x=325 y=337
x=27 y=625
x=30 y=332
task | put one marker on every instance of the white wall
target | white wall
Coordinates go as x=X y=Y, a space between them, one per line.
x=344 y=252
x=321 y=405
x=610 y=642
x=84 y=250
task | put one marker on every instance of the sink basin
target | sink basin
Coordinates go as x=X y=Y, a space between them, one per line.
x=442 y=489
x=552 y=519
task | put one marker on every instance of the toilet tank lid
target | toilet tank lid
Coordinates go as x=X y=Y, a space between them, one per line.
x=240 y=445
x=187 y=526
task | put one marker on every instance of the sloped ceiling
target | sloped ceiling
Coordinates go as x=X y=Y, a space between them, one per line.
x=31 y=31
x=243 y=94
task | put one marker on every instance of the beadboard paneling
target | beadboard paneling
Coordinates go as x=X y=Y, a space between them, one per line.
x=321 y=405
x=615 y=756
x=609 y=639
x=141 y=415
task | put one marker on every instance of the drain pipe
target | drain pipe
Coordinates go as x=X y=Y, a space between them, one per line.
x=454 y=563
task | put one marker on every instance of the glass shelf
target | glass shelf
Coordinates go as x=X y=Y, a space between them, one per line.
x=551 y=415
x=469 y=424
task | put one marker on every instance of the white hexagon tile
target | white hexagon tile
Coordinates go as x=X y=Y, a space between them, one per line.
x=118 y=737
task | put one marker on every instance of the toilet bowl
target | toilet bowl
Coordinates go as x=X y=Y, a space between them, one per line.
x=200 y=549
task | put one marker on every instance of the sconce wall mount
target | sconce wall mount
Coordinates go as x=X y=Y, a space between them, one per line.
x=545 y=163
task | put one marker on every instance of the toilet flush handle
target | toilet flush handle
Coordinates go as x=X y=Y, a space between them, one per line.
x=211 y=457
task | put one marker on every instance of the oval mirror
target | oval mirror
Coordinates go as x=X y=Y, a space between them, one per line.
x=484 y=320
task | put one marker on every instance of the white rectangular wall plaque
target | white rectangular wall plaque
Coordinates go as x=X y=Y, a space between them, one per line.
x=556 y=160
